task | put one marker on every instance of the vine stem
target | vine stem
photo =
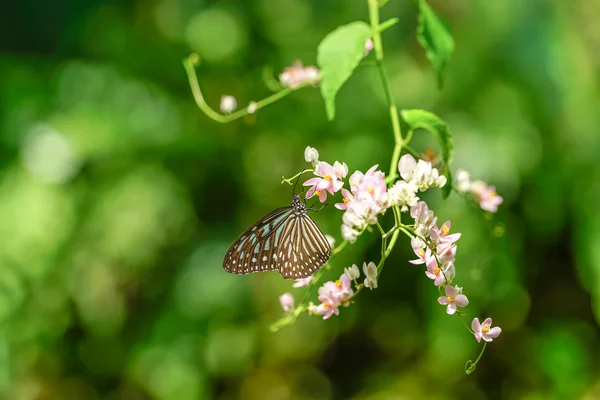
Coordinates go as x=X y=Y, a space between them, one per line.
x=378 y=49
x=190 y=64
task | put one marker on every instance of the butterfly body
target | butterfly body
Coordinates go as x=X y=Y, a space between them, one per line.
x=286 y=240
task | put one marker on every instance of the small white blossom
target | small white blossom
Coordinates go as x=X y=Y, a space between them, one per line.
x=252 y=107
x=463 y=183
x=368 y=46
x=370 y=271
x=311 y=155
x=352 y=272
x=403 y=194
x=228 y=104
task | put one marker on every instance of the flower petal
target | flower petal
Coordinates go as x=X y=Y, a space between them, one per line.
x=494 y=332
x=451 y=291
x=461 y=300
x=443 y=300
x=488 y=322
x=451 y=309
x=476 y=326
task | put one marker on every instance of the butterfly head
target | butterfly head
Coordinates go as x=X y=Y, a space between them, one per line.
x=298 y=206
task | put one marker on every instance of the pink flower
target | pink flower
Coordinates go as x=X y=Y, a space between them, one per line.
x=446 y=252
x=348 y=197
x=368 y=46
x=329 y=181
x=453 y=298
x=485 y=331
x=423 y=255
x=434 y=272
x=424 y=219
x=406 y=167
x=340 y=290
x=297 y=74
x=441 y=235
x=303 y=282
x=370 y=185
x=328 y=307
x=287 y=301
x=488 y=199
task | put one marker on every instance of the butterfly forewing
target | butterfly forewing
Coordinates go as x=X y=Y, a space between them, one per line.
x=285 y=239
x=254 y=249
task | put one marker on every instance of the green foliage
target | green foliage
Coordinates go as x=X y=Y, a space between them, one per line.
x=436 y=39
x=434 y=124
x=338 y=55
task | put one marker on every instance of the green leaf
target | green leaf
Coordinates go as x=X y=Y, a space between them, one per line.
x=338 y=55
x=434 y=124
x=436 y=39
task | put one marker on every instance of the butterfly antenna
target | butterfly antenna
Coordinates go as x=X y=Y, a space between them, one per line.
x=322 y=207
x=296 y=183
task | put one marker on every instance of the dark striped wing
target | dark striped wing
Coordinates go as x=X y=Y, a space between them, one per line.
x=281 y=240
x=256 y=248
x=303 y=248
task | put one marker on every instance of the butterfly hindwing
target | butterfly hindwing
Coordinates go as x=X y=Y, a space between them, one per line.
x=303 y=250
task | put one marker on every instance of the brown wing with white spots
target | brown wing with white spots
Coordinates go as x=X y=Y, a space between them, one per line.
x=303 y=248
x=256 y=248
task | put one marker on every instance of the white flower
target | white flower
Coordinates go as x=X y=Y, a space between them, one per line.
x=311 y=155
x=463 y=183
x=370 y=271
x=252 y=107
x=352 y=272
x=421 y=173
x=303 y=282
x=350 y=234
x=403 y=194
x=228 y=104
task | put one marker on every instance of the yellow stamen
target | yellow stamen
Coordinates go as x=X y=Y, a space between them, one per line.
x=485 y=329
x=445 y=229
x=436 y=271
x=346 y=200
x=450 y=299
x=317 y=192
x=338 y=283
x=328 y=178
x=421 y=253
x=371 y=190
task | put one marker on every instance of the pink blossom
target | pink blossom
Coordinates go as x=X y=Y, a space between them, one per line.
x=424 y=219
x=328 y=307
x=340 y=290
x=434 y=272
x=488 y=199
x=485 y=330
x=370 y=185
x=329 y=181
x=297 y=74
x=368 y=46
x=423 y=255
x=347 y=198
x=287 y=301
x=303 y=282
x=453 y=298
x=441 y=235
x=446 y=252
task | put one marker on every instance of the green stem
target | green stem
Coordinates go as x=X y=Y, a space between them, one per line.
x=189 y=65
x=470 y=365
x=378 y=49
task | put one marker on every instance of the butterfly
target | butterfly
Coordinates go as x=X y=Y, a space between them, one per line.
x=286 y=240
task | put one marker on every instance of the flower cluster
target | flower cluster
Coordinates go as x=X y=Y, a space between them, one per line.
x=332 y=294
x=296 y=74
x=433 y=245
x=485 y=195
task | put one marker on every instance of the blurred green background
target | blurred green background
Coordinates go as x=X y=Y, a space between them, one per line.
x=119 y=198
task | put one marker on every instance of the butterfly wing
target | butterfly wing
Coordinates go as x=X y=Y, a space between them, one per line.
x=256 y=248
x=303 y=248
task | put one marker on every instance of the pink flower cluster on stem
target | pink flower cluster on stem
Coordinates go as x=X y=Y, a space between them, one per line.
x=486 y=195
